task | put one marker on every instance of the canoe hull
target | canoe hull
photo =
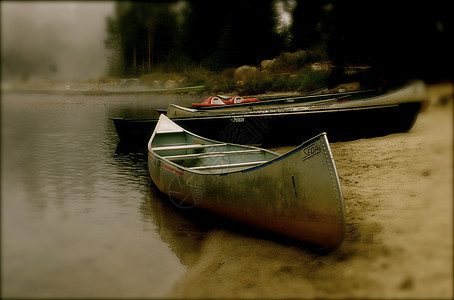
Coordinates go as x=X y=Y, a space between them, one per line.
x=285 y=128
x=297 y=195
x=134 y=131
x=292 y=128
x=280 y=122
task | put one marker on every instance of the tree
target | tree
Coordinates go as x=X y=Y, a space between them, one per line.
x=306 y=26
x=142 y=36
x=399 y=41
x=203 y=24
x=226 y=33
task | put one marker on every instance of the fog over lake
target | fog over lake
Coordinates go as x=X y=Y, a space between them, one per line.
x=54 y=40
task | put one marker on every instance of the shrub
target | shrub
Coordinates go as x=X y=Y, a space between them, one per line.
x=196 y=76
x=310 y=80
x=316 y=54
x=288 y=62
x=222 y=82
x=258 y=85
x=285 y=83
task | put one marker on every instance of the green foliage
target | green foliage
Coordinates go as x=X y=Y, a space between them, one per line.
x=288 y=62
x=196 y=76
x=230 y=33
x=221 y=82
x=258 y=85
x=179 y=35
x=164 y=36
x=309 y=20
x=284 y=83
x=312 y=80
x=305 y=81
x=142 y=37
x=287 y=72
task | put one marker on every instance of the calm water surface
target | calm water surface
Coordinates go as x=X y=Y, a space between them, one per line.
x=80 y=215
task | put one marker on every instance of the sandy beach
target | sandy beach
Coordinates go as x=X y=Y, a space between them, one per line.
x=399 y=242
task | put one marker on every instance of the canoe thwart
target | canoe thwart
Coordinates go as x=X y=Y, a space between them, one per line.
x=186 y=146
x=243 y=164
x=210 y=154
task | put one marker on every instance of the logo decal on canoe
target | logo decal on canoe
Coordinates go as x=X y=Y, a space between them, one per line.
x=184 y=193
x=237 y=119
x=311 y=150
x=197 y=193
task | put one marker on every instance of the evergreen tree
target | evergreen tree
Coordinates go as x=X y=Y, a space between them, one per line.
x=306 y=28
x=399 y=41
x=147 y=37
x=226 y=33
x=203 y=24
x=142 y=37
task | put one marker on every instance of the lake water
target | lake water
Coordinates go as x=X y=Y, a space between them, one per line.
x=80 y=215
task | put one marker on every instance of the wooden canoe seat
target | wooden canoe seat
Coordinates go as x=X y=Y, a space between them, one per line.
x=210 y=154
x=243 y=164
x=186 y=146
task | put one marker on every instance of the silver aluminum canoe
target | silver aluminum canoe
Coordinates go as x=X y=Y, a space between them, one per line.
x=297 y=194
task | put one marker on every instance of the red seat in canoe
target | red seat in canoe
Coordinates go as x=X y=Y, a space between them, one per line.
x=237 y=99
x=212 y=101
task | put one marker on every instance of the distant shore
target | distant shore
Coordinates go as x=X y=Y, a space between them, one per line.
x=102 y=89
x=105 y=91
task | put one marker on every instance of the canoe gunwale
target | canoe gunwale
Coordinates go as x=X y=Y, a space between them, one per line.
x=274 y=112
x=286 y=99
x=152 y=151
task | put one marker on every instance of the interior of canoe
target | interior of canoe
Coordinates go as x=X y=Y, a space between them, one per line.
x=195 y=153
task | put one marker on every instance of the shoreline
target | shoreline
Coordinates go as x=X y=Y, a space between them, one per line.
x=103 y=92
x=398 y=199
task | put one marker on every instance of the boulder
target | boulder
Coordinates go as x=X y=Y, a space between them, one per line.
x=129 y=82
x=170 y=84
x=321 y=66
x=246 y=72
x=266 y=64
x=157 y=84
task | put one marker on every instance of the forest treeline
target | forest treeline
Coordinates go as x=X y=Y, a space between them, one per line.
x=170 y=36
x=397 y=41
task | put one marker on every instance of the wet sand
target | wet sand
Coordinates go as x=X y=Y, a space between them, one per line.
x=399 y=241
